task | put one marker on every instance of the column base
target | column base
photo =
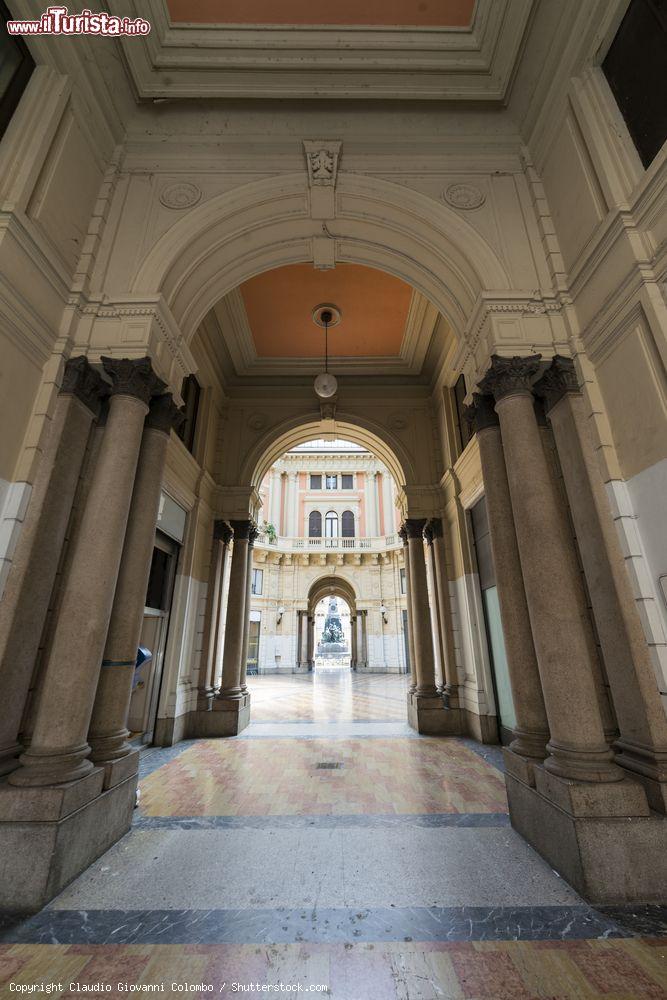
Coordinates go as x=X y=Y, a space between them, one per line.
x=228 y=717
x=49 y=835
x=429 y=716
x=205 y=698
x=580 y=829
x=647 y=766
x=9 y=758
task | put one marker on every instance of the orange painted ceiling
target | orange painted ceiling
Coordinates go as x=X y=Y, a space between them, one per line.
x=279 y=304
x=389 y=13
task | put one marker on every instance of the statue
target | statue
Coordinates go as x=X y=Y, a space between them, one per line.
x=332 y=642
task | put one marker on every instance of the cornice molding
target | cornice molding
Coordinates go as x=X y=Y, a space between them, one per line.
x=474 y=63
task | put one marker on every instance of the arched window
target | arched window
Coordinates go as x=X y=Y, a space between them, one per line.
x=315 y=524
x=347 y=524
x=331 y=524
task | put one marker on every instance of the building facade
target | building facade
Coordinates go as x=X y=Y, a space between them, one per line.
x=333 y=506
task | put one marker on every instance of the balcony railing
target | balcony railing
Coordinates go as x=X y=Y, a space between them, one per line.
x=337 y=544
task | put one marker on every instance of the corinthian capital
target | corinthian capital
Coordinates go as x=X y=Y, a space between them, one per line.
x=559 y=379
x=133 y=377
x=81 y=380
x=482 y=413
x=507 y=376
x=164 y=414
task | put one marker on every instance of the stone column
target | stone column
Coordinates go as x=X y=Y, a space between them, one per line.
x=532 y=729
x=222 y=536
x=421 y=615
x=353 y=642
x=302 y=641
x=577 y=747
x=253 y=532
x=363 y=660
x=230 y=687
x=25 y=602
x=311 y=642
x=59 y=751
x=408 y=592
x=433 y=533
x=641 y=718
x=108 y=731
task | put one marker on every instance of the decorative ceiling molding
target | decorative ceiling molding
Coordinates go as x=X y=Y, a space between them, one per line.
x=232 y=321
x=269 y=61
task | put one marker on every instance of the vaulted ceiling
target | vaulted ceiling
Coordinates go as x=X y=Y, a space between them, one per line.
x=265 y=326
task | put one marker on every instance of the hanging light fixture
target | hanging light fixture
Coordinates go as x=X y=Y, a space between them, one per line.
x=326 y=315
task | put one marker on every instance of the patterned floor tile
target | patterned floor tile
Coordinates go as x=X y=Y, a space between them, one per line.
x=508 y=970
x=330 y=696
x=282 y=777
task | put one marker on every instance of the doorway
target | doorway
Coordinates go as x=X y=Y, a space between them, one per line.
x=154 y=633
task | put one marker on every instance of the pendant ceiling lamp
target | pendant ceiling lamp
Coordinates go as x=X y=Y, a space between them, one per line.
x=325 y=316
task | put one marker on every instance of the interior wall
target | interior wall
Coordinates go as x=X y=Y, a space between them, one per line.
x=610 y=220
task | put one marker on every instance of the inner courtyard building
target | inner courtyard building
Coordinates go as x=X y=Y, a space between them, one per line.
x=333 y=493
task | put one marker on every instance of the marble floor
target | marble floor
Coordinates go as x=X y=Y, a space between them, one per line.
x=329 y=849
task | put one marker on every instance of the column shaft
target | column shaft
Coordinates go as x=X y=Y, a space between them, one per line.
x=252 y=535
x=222 y=536
x=577 y=746
x=421 y=614
x=108 y=731
x=311 y=642
x=363 y=615
x=532 y=729
x=230 y=686
x=25 y=601
x=408 y=594
x=445 y=631
x=353 y=642
x=59 y=749
x=641 y=718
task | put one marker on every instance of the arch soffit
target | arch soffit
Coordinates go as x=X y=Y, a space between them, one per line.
x=331 y=586
x=360 y=430
x=265 y=224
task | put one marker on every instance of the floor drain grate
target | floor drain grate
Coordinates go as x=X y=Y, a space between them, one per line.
x=329 y=765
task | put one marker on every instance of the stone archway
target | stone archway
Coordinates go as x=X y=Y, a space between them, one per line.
x=266 y=224
x=333 y=586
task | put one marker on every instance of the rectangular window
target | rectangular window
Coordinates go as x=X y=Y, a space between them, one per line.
x=635 y=70
x=331 y=482
x=347 y=482
x=257 y=582
x=190 y=392
x=463 y=427
x=403 y=582
x=315 y=481
x=16 y=66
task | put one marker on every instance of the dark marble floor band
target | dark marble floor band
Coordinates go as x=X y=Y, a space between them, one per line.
x=489 y=752
x=320 y=822
x=282 y=926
